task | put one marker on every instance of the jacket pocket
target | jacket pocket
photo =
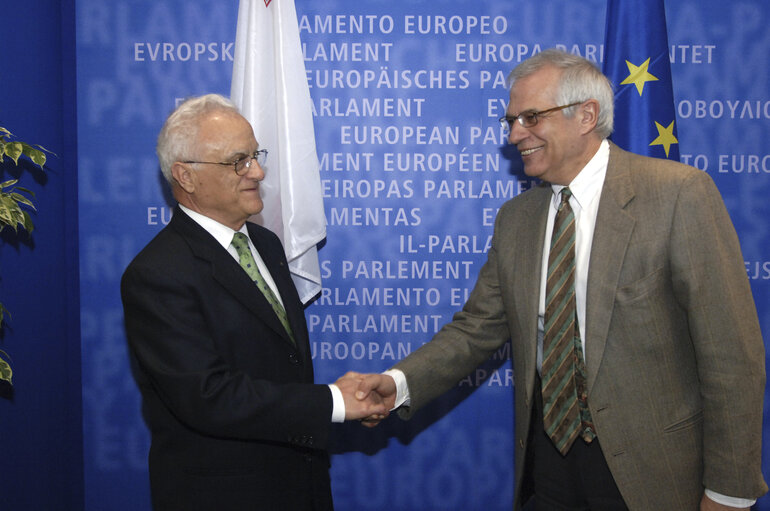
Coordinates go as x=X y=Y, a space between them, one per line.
x=641 y=288
x=685 y=423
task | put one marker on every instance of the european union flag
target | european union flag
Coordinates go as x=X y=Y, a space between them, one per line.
x=636 y=60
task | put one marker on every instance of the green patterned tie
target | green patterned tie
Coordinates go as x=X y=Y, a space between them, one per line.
x=241 y=244
x=565 y=410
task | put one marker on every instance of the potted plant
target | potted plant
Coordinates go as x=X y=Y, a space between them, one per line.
x=15 y=201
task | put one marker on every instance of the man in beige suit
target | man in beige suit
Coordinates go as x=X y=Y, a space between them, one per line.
x=668 y=369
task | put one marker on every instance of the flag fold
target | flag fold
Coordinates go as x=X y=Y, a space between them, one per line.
x=269 y=86
x=636 y=60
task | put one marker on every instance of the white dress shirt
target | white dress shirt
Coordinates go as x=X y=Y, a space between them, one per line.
x=586 y=189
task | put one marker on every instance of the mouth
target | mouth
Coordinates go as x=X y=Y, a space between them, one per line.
x=527 y=152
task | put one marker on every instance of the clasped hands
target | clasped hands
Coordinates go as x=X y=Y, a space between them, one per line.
x=369 y=398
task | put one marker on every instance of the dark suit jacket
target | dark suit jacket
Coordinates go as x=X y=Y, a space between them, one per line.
x=674 y=354
x=235 y=419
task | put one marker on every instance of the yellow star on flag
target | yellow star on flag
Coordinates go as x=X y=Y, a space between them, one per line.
x=638 y=75
x=665 y=137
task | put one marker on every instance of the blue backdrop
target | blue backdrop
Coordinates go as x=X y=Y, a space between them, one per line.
x=40 y=422
x=414 y=167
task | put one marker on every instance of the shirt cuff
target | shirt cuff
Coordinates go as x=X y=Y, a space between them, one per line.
x=729 y=501
x=338 y=404
x=402 y=390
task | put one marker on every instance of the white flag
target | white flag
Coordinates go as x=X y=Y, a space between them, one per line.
x=270 y=88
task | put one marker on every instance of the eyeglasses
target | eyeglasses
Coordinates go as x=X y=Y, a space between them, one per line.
x=242 y=165
x=529 y=118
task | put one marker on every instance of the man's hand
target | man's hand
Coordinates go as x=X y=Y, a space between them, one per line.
x=358 y=405
x=706 y=504
x=380 y=385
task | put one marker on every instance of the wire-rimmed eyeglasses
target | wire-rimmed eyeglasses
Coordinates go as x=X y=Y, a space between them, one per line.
x=529 y=118
x=242 y=165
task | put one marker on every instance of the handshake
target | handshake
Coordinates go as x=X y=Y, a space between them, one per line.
x=368 y=397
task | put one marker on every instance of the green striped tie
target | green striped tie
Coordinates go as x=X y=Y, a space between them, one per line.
x=241 y=244
x=565 y=410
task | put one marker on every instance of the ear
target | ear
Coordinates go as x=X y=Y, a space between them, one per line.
x=184 y=176
x=588 y=116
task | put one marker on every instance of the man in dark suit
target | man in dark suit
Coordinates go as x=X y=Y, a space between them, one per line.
x=219 y=350
x=656 y=401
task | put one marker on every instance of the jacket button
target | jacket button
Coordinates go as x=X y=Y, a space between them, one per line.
x=294 y=359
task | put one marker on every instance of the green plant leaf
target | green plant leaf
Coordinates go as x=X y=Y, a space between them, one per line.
x=14 y=150
x=12 y=198
x=6 y=215
x=10 y=212
x=27 y=222
x=44 y=149
x=25 y=190
x=5 y=369
x=36 y=153
x=37 y=156
x=19 y=198
x=10 y=204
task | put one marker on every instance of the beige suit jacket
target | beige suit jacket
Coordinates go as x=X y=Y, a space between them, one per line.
x=674 y=353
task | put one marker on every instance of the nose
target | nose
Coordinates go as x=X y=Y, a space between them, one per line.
x=517 y=133
x=255 y=170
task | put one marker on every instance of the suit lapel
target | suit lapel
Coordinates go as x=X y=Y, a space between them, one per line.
x=612 y=234
x=527 y=270
x=276 y=265
x=226 y=271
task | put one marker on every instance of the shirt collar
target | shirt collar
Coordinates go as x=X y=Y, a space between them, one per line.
x=222 y=233
x=588 y=183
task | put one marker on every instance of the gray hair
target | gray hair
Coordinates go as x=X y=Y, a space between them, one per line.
x=179 y=134
x=581 y=80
